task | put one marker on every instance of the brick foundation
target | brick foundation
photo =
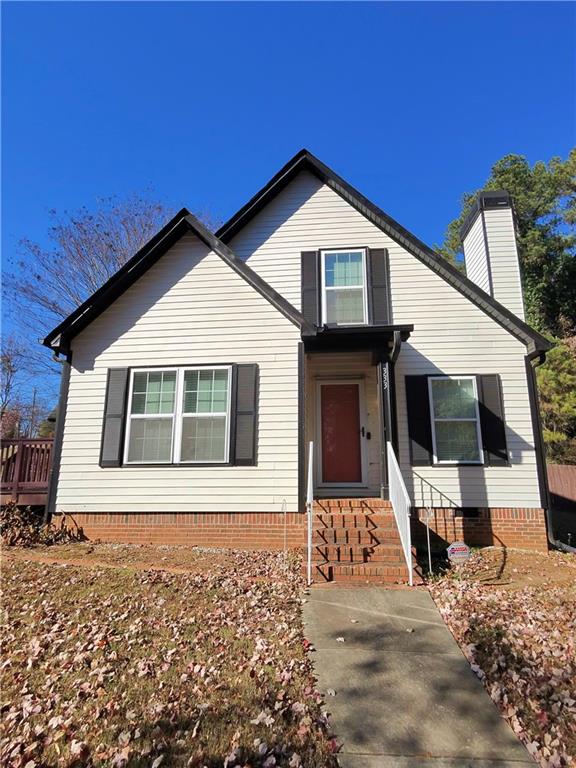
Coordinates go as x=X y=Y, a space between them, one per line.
x=209 y=529
x=520 y=528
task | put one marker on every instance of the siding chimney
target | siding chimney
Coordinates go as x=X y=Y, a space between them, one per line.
x=490 y=249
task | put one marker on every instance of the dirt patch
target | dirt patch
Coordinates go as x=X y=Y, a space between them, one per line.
x=183 y=559
x=512 y=569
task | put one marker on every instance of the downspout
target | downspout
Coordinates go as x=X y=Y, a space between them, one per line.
x=58 y=433
x=533 y=360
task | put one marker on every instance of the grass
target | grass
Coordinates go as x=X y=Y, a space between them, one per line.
x=514 y=616
x=108 y=662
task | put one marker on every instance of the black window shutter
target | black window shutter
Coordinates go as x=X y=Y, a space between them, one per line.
x=245 y=416
x=492 y=424
x=310 y=271
x=419 y=428
x=379 y=286
x=114 y=418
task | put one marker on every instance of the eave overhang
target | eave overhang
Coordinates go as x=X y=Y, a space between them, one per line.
x=184 y=222
x=348 y=338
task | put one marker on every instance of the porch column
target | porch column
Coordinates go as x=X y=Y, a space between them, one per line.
x=387 y=409
x=385 y=372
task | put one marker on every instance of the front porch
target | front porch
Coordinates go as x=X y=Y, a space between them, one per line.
x=350 y=430
x=350 y=408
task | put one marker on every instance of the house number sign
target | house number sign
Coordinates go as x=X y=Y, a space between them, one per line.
x=384 y=377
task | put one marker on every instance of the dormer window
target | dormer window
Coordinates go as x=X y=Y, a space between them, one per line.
x=344 y=295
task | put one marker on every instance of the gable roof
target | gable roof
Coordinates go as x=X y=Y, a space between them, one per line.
x=148 y=255
x=306 y=161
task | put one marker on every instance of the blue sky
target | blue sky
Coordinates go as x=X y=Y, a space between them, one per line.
x=410 y=102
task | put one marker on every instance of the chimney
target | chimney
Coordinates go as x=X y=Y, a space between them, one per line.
x=490 y=250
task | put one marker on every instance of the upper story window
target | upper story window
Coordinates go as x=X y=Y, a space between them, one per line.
x=455 y=420
x=178 y=416
x=344 y=296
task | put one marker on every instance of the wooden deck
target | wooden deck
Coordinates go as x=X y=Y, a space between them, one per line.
x=25 y=471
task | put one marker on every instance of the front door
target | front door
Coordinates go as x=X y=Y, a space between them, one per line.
x=340 y=425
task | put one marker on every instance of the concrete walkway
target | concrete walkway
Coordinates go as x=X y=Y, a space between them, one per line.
x=405 y=696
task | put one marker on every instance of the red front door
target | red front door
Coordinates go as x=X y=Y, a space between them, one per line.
x=340 y=425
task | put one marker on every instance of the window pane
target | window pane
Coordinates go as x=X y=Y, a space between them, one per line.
x=150 y=440
x=153 y=392
x=345 y=307
x=203 y=439
x=190 y=391
x=456 y=441
x=453 y=398
x=206 y=391
x=343 y=269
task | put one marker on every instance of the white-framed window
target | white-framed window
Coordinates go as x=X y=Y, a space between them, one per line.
x=456 y=437
x=344 y=296
x=178 y=416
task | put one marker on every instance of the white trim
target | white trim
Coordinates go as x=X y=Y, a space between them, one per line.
x=364 y=286
x=226 y=414
x=433 y=421
x=178 y=415
x=363 y=421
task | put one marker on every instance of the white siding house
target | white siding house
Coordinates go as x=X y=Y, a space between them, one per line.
x=451 y=335
x=197 y=377
x=188 y=309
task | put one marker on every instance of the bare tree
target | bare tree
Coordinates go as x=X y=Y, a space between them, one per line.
x=20 y=411
x=12 y=366
x=45 y=284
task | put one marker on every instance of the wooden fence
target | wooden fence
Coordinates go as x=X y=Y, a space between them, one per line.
x=25 y=470
x=562 y=484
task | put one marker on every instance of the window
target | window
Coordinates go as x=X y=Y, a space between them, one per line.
x=455 y=420
x=205 y=415
x=178 y=416
x=344 y=287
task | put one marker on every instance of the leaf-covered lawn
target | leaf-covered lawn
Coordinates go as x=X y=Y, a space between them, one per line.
x=122 y=666
x=514 y=615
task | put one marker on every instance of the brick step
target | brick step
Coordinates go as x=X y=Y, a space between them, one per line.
x=366 y=536
x=352 y=536
x=358 y=554
x=353 y=511
x=364 y=504
x=360 y=573
x=353 y=521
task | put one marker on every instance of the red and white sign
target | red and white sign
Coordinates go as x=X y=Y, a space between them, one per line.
x=458 y=552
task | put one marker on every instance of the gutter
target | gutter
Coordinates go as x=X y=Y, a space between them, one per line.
x=533 y=360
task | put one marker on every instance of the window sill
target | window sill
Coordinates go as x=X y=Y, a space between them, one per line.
x=458 y=464
x=173 y=465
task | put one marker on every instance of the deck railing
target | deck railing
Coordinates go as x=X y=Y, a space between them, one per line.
x=25 y=469
x=401 y=505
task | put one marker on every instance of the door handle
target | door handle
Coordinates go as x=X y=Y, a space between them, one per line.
x=362 y=431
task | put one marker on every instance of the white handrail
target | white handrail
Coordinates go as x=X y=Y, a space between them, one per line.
x=309 y=505
x=401 y=505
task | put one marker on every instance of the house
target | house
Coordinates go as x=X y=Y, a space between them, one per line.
x=196 y=378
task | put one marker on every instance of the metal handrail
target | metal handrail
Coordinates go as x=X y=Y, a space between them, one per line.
x=402 y=506
x=309 y=505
